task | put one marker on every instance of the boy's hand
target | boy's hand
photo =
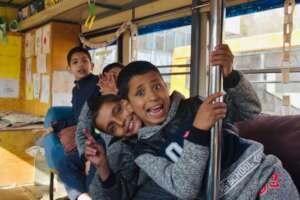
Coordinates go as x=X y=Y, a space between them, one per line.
x=222 y=56
x=95 y=153
x=107 y=83
x=210 y=112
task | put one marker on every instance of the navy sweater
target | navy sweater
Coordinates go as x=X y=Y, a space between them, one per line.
x=83 y=90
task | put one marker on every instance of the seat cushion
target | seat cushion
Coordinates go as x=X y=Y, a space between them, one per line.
x=280 y=136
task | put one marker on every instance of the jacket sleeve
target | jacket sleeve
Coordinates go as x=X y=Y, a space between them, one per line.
x=278 y=186
x=58 y=125
x=241 y=99
x=123 y=181
x=184 y=177
x=84 y=122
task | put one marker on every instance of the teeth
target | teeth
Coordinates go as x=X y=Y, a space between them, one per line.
x=130 y=125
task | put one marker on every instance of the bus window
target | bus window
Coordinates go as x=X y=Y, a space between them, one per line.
x=103 y=56
x=168 y=49
x=257 y=46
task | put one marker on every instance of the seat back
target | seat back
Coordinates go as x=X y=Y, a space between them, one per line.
x=280 y=136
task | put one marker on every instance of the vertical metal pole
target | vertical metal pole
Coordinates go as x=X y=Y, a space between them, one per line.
x=195 y=50
x=215 y=85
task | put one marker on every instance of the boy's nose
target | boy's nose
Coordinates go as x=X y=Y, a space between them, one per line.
x=152 y=95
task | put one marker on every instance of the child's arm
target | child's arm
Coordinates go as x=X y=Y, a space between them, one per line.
x=184 y=177
x=241 y=99
x=84 y=122
x=119 y=182
x=96 y=154
x=279 y=186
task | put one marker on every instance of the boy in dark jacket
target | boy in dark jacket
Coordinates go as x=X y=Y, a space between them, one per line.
x=170 y=122
x=71 y=168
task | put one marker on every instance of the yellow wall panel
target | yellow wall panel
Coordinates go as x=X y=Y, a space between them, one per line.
x=10 y=57
x=8 y=13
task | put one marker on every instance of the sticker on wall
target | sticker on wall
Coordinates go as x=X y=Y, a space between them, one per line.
x=62 y=85
x=36 y=85
x=38 y=41
x=41 y=63
x=9 y=88
x=28 y=70
x=45 y=89
x=29 y=91
x=46 y=39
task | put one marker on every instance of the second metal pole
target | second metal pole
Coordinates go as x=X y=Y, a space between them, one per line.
x=217 y=12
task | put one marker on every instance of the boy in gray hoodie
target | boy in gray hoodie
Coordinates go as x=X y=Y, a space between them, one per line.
x=164 y=143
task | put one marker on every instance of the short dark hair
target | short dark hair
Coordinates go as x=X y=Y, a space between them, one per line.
x=108 y=67
x=96 y=103
x=131 y=70
x=76 y=50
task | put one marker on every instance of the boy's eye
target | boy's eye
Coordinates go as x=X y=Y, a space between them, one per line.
x=157 y=86
x=140 y=92
x=74 y=62
x=117 y=109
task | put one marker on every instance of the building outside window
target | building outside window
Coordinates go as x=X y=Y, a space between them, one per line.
x=256 y=42
x=103 y=56
x=166 y=49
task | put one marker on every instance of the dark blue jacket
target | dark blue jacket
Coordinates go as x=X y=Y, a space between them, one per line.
x=84 y=89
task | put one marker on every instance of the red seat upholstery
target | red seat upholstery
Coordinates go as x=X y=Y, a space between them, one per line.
x=281 y=137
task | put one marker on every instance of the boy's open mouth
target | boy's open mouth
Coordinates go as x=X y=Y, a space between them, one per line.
x=130 y=124
x=81 y=71
x=156 y=111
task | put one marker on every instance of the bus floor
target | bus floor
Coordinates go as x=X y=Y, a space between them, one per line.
x=31 y=192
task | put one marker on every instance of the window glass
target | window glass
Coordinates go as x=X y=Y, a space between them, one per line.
x=166 y=48
x=256 y=40
x=103 y=56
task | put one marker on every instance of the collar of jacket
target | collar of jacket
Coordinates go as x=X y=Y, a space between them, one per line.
x=84 y=79
x=148 y=131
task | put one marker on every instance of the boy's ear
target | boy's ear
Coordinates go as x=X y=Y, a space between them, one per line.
x=92 y=66
x=69 y=69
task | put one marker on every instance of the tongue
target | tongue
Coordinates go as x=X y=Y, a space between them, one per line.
x=156 y=111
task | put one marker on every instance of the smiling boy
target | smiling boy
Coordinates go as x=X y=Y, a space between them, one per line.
x=169 y=122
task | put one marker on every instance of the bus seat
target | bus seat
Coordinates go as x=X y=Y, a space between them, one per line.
x=280 y=136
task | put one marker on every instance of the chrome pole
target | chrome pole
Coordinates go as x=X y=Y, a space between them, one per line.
x=217 y=13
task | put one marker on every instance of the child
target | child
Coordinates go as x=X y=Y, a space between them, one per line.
x=168 y=121
x=107 y=85
x=80 y=66
x=115 y=160
x=71 y=167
